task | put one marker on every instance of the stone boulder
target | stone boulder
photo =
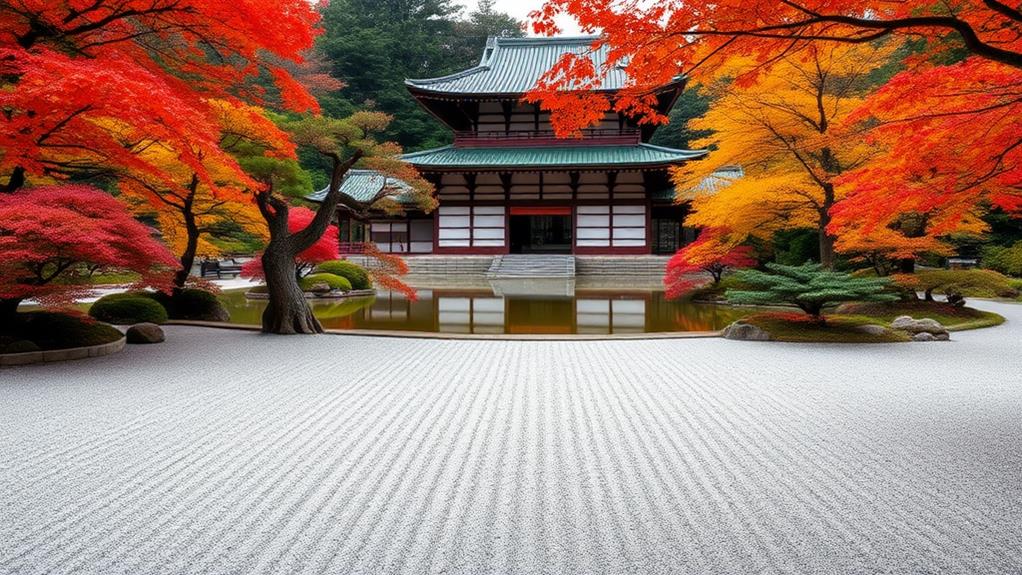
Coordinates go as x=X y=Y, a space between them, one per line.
x=745 y=332
x=145 y=333
x=320 y=288
x=871 y=329
x=923 y=329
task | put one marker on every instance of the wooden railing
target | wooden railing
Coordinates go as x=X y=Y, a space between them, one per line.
x=352 y=248
x=545 y=138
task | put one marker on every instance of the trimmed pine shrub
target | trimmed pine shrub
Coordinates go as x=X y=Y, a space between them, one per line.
x=335 y=282
x=128 y=308
x=356 y=274
x=808 y=287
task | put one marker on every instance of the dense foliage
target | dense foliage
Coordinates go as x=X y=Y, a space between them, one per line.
x=374 y=45
x=808 y=287
x=703 y=256
x=48 y=232
x=334 y=282
x=356 y=274
x=54 y=330
x=957 y=284
x=1007 y=260
x=128 y=308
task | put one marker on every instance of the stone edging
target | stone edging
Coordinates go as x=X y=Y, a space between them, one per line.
x=313 y=296
x=10 y=359
x=471 y=336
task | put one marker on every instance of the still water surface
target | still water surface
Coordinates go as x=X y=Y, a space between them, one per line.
x=495 y=311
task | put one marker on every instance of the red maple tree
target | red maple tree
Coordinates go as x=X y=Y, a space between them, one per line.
x=49 y=232
x=710 y=253
x=86 y=86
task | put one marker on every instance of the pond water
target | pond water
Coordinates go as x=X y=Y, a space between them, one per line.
x=518 y=308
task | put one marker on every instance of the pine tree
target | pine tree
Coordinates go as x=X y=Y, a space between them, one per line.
x=808 y=287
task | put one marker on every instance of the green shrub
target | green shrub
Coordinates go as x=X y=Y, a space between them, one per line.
x=60 y=330
x=191 y=303
x=1007 y=260
x=355 y=273
x=958 y=284
x=12 y=345
x=808 y=287
x=128 y=308
x=334 y=281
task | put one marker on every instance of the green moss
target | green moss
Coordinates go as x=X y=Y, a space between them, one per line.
x=58 y=330
x=355 y=273
x=954 y=318
x=793 y=327
x=334 y=281
x=128 y=308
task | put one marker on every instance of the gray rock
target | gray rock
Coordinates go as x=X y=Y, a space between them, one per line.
x=924 y=336
x=746 y=332
x=320 y=287
x=872 y=329
x=145 y=333
x=914 y=326
x=943 y=336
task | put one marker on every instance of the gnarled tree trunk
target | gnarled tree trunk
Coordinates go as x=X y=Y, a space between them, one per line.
x=287 y=311
x=191 y=238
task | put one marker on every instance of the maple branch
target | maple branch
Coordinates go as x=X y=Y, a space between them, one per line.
x=308 y=236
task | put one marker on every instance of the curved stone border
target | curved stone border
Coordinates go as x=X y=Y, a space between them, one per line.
x=313 y=296
x=11 y=359
x=472 y=336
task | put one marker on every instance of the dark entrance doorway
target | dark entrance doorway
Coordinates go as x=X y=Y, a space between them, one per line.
x=540 y=230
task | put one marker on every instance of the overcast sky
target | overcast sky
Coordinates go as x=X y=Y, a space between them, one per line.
x=520 y=9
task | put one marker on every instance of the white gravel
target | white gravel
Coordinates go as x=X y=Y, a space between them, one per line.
x=231 y=452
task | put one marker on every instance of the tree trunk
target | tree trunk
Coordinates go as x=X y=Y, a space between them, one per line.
x=188 y=256
x=8 y=309
x=287 y=311
x=826 y=240
x=826 y=250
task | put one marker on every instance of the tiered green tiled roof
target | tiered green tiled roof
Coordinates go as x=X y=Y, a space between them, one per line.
x=513 y=65
x=361 y=185
x=637 y=155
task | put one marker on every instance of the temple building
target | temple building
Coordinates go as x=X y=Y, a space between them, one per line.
x=507 y=185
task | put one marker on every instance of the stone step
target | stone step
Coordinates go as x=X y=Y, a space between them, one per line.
x=532 y=265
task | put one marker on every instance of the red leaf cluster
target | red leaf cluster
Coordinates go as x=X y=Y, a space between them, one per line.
x=47 y=232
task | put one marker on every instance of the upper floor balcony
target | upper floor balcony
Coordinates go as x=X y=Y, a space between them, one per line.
x=528 y=138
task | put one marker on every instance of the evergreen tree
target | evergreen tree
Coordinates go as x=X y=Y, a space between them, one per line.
x=808 y=287
x=374 y=45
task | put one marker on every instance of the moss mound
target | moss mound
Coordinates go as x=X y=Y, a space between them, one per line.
x=955 y=318
x=46 y=330
x=334 y=281
x=191 y=303
x=356 y=274
x=796 y=327
x=128 y=308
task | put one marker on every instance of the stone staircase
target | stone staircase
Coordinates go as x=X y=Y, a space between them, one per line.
x=437 y=265
x=623 y=266
x=532 y=266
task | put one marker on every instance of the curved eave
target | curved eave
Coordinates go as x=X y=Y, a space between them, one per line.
x=417 y=88
x=560 y=157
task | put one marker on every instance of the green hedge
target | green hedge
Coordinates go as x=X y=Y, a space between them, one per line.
x=1007 y=260
x=56 y=330
x=355 y=273
x=335 y=282
x=128 y=308
x=191 y=303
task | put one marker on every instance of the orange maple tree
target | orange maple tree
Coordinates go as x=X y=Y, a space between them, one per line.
x=949 y=121
x=85 y=86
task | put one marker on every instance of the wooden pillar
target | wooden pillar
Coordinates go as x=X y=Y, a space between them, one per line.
x=575 y=177
x=470 y=183
x=611 y=184
x=507 y=107
x=505 y=182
